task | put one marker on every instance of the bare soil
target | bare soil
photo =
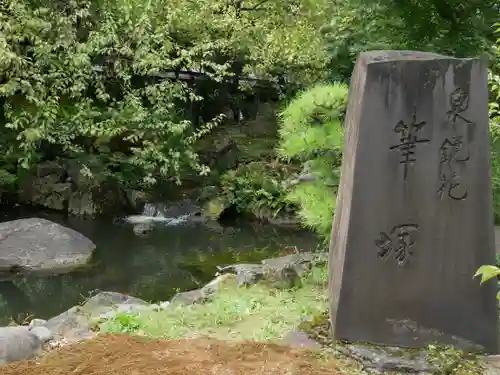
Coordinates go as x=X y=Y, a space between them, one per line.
x=121 y=354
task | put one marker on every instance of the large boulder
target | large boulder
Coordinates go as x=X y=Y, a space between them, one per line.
x=35 y=244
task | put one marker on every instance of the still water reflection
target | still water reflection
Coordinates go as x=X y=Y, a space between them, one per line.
x=152 y=267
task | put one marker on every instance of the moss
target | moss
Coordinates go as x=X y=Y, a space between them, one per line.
x=214 y=208
x=318 y=328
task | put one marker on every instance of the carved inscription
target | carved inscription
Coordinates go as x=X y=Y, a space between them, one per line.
x=459 y=103
x=449 y=177
x=398 y=243
x=454 y=151
x=408 y=141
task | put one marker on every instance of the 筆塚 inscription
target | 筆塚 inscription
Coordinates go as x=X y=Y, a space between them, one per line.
x=408 y=141
x=398 y=243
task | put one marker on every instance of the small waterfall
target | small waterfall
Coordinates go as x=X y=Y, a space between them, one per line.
x=151 y=210
x=154 y=212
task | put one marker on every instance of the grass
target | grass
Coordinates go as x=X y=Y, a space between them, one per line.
x=260 y=313
x=254 y=313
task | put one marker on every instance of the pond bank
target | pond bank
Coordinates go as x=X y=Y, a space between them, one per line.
x=219 y=301
x=271 y=309
x=109 y=311
x=153 y=267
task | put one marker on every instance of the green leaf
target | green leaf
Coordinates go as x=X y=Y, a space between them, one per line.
x=487 y=272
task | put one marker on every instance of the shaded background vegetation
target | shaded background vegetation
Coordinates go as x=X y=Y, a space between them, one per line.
x=222 y=98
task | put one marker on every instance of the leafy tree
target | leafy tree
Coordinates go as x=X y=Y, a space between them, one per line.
x=454 y=27
x=82 y=79
x=311 y=130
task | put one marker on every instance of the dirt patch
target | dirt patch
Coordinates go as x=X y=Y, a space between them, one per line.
x=131 y=355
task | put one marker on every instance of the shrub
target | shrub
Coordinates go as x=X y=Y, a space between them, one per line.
x=257 y=188
x=311 y=133
x=95 y=80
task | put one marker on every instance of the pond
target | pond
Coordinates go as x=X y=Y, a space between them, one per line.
x=175 y=256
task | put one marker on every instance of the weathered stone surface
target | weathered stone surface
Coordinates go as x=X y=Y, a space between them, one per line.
x=282 y=272
x=43 y=333
x=143 y=229
x=300 y=340
x=63 y=186
x=40 y=245
x=77 y=323
x=285 y=221
x=81 y=204
x=411 y=228
x=491 y=365
x=18 y=343
x=48 y=187
x=214 y=208
x=190 y=297
x=37 y=323
x=203 y=294
x=246 y=274
x=72 y=325
x=389 y=359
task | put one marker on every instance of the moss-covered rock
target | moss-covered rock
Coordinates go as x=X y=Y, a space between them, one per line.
x=214 y=208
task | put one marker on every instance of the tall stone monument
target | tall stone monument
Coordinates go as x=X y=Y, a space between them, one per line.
x=414 y=214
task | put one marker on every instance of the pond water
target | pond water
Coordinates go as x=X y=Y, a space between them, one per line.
x=175 y=256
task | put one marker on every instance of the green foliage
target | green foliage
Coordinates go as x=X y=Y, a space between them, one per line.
x=454 y=27
x=53 y=95
x=257 y=188
x=77 y=78
x=452 y=361
x=312 y=121
x=495 y=173
x=488 y=272
x=255 y=313
x=123 y=323
x=317 y=199
x=494 y=107
x=311 y=132
x=8 y=180
x=122 y=122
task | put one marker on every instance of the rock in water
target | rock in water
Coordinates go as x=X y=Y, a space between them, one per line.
x=40 y=245
x=18 y=343
x=414 y=214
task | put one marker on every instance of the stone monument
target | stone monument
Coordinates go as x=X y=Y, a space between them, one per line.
x=414 y=216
